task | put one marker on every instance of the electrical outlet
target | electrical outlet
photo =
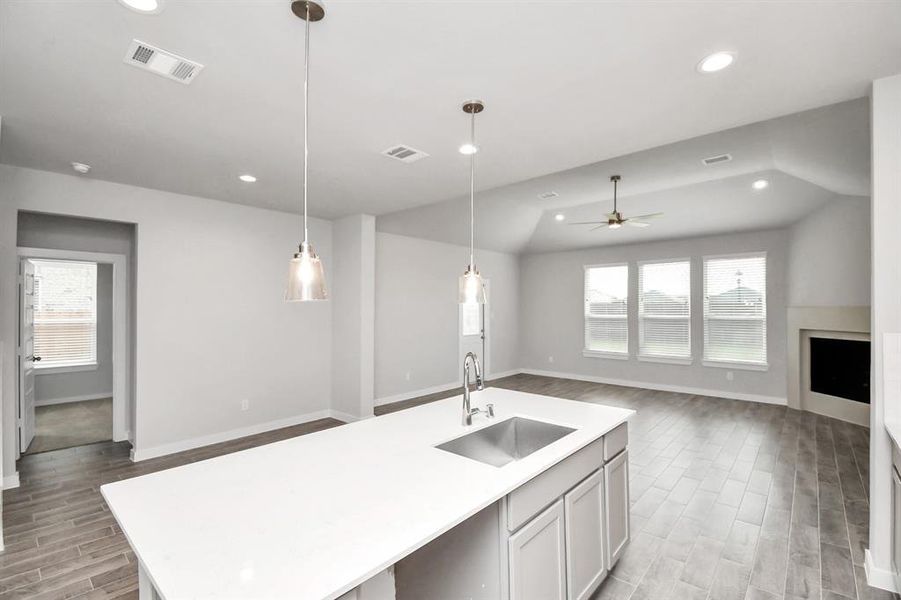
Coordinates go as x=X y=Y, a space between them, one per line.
x=730 y=375
x=550 y=359
x=245 y=404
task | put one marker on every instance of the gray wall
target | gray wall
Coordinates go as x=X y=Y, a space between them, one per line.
x=79 y=385
x=829 y=255
x=551 y=292
x=416 y=324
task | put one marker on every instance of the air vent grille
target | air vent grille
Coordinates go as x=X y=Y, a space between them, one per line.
x=712 y=160
x=548 y=195
x=163 y=63
x=404 y=153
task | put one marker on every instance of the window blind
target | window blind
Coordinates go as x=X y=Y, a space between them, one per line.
x=65 y=313
x=606 y=309
x=735 y=309
x=664 y=309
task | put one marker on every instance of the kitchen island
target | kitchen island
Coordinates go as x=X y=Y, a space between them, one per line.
x=321 y=515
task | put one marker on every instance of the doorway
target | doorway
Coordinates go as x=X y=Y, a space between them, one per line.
x=473 y=331
x=71 y=349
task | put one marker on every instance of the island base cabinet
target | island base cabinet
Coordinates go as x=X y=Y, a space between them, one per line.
x=537 y=557
x=616 y=501
x=586 y=565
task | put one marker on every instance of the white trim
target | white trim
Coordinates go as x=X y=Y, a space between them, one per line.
x=667 y=360
x=121 y=395
x=603 y=354
x=68 y=399
x=343 y=416
x=876 y=577
x=438 y=388
x=417 y=393
x=48 y=370
x=752 y=254
x=663 y=387
x=725 y=364
x=11 y=482
x=139 y=454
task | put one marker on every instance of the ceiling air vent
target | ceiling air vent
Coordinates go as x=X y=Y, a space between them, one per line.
x=547 y=195
x=156 y=60
x=712 y=160
x=404 y=153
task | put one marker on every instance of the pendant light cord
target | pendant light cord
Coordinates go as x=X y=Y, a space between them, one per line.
x=614 y=194
x=472 y=189
x=306 y=117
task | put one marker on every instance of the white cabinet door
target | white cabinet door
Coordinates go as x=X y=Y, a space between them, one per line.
x=583 y=508
x=896 y=526
x=616 y=489
x=538 y=558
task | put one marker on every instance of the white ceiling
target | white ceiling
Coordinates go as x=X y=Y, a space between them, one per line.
x=565 y=84
x=809 y=158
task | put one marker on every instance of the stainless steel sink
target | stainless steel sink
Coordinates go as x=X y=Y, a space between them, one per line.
x=506 y=441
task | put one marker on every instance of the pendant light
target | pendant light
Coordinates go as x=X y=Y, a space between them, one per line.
x=306 y=278
x=472 y=289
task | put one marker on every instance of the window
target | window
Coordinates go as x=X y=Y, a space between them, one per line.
x=664 y=310
x=606 y=309
x=735 y=309
x=65 y=313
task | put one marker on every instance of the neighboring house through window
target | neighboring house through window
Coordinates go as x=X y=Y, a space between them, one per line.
x=735 y=310
x=65 y=313
x=664 y=311
x=606 y=310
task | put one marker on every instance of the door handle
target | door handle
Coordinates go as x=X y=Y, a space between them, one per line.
x=33 y=358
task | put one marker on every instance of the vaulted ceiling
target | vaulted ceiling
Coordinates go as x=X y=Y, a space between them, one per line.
x=566 y=84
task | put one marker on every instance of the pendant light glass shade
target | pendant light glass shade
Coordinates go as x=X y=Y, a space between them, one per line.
x=306 y=277
x=472 y=288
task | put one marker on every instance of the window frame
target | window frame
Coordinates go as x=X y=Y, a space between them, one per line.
x=604 y=353
x=672 y=360
x=737 y=364
x=75 y=367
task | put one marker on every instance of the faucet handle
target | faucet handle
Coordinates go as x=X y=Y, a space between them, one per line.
x=490 y=408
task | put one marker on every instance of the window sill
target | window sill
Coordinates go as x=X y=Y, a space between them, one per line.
x=64 y=369
x=666 y=360
x=602 y=354
x=724 y=364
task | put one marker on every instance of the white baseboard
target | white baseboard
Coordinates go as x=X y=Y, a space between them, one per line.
x=438 y=388
x=139 y=454
x=343 y=416
x=663 y=387
x=876 y=577
x=416 y=393
x=11 y=482
x=68 y=399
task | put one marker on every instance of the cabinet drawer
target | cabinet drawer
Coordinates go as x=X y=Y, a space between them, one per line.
x=528 y=499
x=616 y=441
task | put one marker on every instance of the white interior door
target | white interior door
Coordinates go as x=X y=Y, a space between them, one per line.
x=26 y=354
x=473 y=328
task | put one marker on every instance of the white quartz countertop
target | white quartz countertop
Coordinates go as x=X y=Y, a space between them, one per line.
x=315 y=516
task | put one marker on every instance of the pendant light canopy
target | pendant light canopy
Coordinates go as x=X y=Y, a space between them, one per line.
x=472 y=288
x=306 y=277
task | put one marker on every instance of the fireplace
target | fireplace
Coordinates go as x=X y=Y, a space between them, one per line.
x=840 y=367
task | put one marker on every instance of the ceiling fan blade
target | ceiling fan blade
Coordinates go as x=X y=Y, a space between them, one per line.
x=634 y=223
x=589 y=223
x=650 y=216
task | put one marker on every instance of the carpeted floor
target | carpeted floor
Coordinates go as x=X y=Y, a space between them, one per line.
x=72 y=424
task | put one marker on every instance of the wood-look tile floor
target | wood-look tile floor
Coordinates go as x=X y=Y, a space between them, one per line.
x=729 y=499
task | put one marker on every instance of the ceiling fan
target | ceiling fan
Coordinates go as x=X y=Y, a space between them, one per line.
x=615 y=220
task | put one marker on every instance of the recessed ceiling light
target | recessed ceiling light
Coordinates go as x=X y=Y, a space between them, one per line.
x=146 y=7
x=81 y=167
x=468 y=149
x=559 y=216
x=247 y=178
x=760 y=184
x=716 y=62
